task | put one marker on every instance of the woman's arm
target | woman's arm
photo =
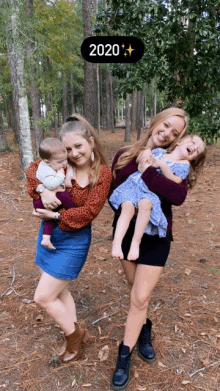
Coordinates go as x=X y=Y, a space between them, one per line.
x=78 y=217
x=174 y=193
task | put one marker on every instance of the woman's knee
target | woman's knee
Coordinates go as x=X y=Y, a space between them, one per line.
x=139 y=302
x=41 y=299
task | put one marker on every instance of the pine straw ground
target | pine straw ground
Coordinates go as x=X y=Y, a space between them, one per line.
x=184 y=307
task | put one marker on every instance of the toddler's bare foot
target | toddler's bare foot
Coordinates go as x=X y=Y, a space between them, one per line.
x=47 y=243
x=117 y=251
x=133 y=252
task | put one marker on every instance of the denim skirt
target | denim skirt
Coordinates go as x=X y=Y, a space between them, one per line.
x=66 y=262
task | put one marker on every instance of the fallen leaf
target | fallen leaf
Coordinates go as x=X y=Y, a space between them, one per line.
x=120 y=271
x=86 y=385
x=74 y=382
x=27 y=301
x=104 y=353
x=39 y=318
x=136 y=375
x=141 y=388
x=205 y=362
x=103 y=250
x=100 y=331
x=186 y=382
x=187 y=271
x=160 y=364
x=187 y=314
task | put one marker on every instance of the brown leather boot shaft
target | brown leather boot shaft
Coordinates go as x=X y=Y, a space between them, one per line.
x=74 y=343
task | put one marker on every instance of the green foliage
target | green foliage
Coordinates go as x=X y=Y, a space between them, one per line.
x=182 y=51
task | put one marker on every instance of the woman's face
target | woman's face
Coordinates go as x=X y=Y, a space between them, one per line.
x=166 y=132
x=79 y=150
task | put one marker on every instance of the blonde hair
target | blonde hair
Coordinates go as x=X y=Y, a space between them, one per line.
x=50 y=147
x=196 y=166
x=134 y=150
x=77 y=124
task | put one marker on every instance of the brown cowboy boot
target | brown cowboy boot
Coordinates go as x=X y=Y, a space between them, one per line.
x=61 y=349
x=74 y=343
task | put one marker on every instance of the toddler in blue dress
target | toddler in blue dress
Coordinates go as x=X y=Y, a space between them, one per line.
x=134 y=195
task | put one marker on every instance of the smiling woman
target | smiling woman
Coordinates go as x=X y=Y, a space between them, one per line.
x=88 y=190
x=143 y=256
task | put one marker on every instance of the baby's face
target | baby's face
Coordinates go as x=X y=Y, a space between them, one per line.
x=58 y=161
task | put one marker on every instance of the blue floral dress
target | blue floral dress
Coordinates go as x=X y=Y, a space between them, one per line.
x=134 y=189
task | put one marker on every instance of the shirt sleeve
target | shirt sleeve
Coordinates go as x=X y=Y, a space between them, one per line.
x=53 y=182
x=182 y=170
x=32 y=181
x=79 y=217
x=172 y=192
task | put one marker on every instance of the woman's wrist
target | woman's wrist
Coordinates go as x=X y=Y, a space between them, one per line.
x=57 y=216
x=40 y=188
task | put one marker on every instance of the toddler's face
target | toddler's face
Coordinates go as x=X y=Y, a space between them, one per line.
x=58 y=161
x=192 y=147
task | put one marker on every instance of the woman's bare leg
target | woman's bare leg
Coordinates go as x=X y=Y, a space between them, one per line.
x=46 y=296
x=143 y=217
x=127 y=212
x=67 y=299
x=130 y=270
x=146 y=278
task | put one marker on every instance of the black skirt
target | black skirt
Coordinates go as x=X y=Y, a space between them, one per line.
x=154 y=250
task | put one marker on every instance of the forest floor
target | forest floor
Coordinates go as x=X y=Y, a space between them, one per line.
x=185 y=305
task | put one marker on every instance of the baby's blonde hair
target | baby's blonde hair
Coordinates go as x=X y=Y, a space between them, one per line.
x=51 y=147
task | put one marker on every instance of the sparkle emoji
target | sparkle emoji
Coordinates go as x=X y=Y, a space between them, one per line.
x=130 y=50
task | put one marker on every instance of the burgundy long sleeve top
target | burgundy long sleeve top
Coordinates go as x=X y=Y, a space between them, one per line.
x=170 y=193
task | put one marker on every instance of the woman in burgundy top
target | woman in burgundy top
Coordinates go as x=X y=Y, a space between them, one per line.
x=167 y=128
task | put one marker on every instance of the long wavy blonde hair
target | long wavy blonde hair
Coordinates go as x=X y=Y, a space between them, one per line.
x=134 y=150
x=196 y=165
x=77 y=124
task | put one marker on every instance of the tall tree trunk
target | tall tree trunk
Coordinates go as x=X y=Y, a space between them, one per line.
x=152 y=99
x=72 y=93
x=102 y=110
x=7 y=111
x=89 y=89
x=64 y=99
x=16 y=59
x=134 y=112
x=3 y=142
x=34 y=92
x=140 y=111
x=98 y=100
x=108 y=100
x=127 y=115
x=112 y=109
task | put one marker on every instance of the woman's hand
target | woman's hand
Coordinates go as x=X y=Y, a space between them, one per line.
x=44 y=214
x=49 y=199
x=144 y=156
x=156 y=162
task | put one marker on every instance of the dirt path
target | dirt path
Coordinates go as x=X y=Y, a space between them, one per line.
x=185 y=307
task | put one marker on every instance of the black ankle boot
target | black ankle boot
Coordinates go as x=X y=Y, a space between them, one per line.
x=145 y=348
x=121 y=376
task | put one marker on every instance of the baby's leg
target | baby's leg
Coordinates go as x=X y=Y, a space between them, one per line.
x=65 y=198
x=47 y=228
x=143 y=217
x=127 y=212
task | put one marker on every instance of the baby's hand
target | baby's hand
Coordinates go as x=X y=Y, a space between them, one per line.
x=61 y=170
x=155 y=162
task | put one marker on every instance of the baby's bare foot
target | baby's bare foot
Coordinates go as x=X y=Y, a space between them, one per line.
x=47 y=243
x=117 y=251
x=133 y=252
